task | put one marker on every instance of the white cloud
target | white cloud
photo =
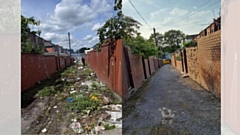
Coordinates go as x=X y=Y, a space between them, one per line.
x=88 y=37
x=94 y=40
x=156 y=13
x=96 y=26
x=68 y=15
x=179 y=12
x=199 y=14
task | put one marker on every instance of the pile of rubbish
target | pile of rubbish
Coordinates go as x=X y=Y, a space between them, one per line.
x=91 y=106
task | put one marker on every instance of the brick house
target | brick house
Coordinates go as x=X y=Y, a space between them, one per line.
x=213 y=27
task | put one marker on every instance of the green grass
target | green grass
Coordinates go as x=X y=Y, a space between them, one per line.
x=79 y=104
x=109 y=127
x=47 y=91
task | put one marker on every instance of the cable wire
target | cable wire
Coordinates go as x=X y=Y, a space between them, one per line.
x=140 y=14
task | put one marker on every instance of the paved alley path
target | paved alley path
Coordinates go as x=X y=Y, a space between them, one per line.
x=168 y=104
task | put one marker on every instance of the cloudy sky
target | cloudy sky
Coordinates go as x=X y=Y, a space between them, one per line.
x=189 y=16
x=79 y=17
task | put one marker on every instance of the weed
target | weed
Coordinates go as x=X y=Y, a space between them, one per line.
x=47 y=91
x=109 y=127
x=79 y=104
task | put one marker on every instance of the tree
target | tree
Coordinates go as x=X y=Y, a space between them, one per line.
x=26 y=44
x=118 y=27
x=25 y=27
x=174 y=38
x=82 y=50
x=142 y=47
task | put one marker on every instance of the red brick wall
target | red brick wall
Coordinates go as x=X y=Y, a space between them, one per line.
x=147 y=67
x=49 y=49
x=151 y=62
x=156 y=64
x=36 y=67
x=125 y=79
x=209 y=56
x=111 y=74
x=136 y=66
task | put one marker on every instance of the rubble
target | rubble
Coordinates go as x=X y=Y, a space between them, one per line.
x=87 y=101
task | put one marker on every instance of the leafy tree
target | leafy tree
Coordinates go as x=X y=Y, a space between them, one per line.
x=174 y=38
x=27 y=45
x=142 y=47
x=159 y=37
x=82 y=50
x=118 y=27
x=25 y=27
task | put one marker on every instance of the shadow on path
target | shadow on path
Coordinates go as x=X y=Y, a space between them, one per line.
x=168 y=104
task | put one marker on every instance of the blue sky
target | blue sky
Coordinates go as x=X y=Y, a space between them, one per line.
x=189 y=16
x=81 y=18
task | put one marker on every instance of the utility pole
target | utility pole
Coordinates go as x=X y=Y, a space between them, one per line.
x=69 y=44
x=154 y=32
x=155 y=36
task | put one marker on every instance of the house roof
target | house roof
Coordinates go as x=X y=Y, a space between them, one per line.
x=48 y=43
x=192 y=36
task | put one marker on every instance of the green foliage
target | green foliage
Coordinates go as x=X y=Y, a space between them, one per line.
x=82 y=50
x=174 y=37
x=179 y=58
x=27 y=46
x=109 y=127
x=170 y=49
x=30 y=47
x=81 y=103
x=47 y=91
x=159 y=37
x=142 y=47
x=190 y=44
x=25 y=28
x=117 y=27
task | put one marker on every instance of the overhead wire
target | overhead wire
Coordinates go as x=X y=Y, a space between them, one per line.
x=191 y=13
x=139 y=14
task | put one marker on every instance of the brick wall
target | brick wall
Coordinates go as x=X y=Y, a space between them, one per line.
x=147 y=68
x=156 y=63
x=173 y=60
x=204 y=62
x=108 y=68
x=192 y=63
x=136 y=66
x=152 y=67
x=36 y=67
x=179 y=65
x=209 y=56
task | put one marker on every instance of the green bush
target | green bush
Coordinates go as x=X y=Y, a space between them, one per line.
x=179 y=58
x=190 y=44
x=142 y=47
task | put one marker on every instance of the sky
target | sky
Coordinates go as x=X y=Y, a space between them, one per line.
x=81 y=18
x=189 y=16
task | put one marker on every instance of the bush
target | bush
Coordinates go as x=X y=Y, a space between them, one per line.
x=190 y=44
x=142 y=47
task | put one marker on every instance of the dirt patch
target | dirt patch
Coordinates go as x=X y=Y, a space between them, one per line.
x=70 y=103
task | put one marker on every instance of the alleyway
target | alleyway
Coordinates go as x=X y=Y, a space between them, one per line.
x=168 y=104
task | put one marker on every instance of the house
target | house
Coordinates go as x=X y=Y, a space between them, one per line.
x=213 y=27
x=190 y=37
x=36 y=40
